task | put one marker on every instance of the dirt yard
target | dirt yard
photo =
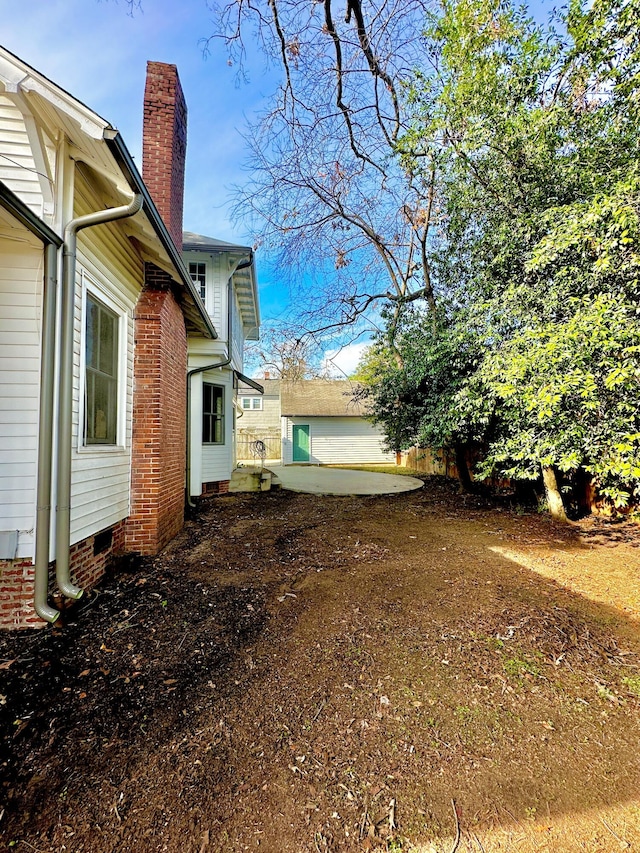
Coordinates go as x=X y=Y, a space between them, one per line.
x=300 y=673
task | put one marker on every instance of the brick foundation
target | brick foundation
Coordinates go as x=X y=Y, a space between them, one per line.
x=159 y=418
x=221 y=487
x=87 y=569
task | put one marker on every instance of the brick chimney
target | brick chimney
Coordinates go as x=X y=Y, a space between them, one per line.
x=164 y=144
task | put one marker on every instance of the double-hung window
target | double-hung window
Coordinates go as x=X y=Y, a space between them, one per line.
x=198 y=273
x=101 y=374
x=212 y=414
x=252 y=403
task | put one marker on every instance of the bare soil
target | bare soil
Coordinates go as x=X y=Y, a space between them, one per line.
x=301 y=673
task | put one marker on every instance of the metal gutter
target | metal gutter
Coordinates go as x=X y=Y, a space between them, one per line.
x=52 y=243
x=125 y=162
x=45 y=437
x=27 y=217
x=65 y=405
x=250 y=382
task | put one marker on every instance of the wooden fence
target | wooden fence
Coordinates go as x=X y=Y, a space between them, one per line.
x=427 y=461
x=246 y=450
x=581 y=490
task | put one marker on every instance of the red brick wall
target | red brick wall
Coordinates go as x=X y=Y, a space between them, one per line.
x=219 y=487
x=16 y=595
x=159 y=418
x=164 y=144
x=86 y=568
x=17 y=579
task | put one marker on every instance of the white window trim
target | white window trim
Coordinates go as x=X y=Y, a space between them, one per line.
x=251 y=407
x=207 y=279
x=222 y=387
x=111 y=301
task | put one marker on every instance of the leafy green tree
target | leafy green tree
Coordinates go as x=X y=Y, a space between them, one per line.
x=538 y=252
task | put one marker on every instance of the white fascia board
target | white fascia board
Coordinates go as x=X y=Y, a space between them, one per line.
x=88 y=121
x=16 y=76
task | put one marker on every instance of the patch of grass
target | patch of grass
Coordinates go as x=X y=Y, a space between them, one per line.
x=605 y=693
x=464 y=713
x=519 y=666
x=380 y=469
x=632 y=683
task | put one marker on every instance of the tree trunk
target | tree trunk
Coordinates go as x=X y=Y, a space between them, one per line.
x=466 y=483
x=554 y=498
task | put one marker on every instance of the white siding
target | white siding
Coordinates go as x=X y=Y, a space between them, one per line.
x=217 y=459
x=216 y=283
x=21 y=275
x=217 y=294
x=213 y=463
x=337 y=441
x=100 y=477
x=18 y=167
x=267 y=418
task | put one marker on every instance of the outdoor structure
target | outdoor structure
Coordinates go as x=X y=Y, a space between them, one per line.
x=97 y=312
x=259 y=420
x=226 y=279
x=320 y=422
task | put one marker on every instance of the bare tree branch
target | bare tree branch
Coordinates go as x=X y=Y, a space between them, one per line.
x=327 y=188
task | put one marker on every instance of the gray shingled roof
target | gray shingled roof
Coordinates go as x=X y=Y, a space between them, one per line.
x=199 y=241
x=319 y=398
x=271 y=387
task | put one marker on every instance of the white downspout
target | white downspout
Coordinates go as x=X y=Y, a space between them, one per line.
x=65 y=404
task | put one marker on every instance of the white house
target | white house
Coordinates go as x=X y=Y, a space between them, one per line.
x=225 y=276
x=321 y=422
x=97 y=315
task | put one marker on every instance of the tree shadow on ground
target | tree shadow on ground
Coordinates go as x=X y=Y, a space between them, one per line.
x=293 y=658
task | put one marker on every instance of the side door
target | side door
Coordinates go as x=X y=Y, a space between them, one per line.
x=301 y=442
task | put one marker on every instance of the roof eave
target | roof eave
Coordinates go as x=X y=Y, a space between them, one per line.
x=27 y=217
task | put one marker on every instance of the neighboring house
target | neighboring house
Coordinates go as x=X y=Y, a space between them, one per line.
x=320 y=422
x=97 y=314
x=259 y=419
x=226 y=279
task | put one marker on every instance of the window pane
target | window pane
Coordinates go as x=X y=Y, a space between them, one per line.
x=103 y=405
x=198 y=275
x=108 y=335
x=212 y=414
x=92 y=334
x=101 y=374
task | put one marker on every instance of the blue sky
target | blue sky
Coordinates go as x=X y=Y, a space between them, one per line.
x=95 y=50
x=98 y=52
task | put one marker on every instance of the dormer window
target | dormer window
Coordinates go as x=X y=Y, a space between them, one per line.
x=198 y=274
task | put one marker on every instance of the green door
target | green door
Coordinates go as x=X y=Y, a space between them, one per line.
x=301 y=442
